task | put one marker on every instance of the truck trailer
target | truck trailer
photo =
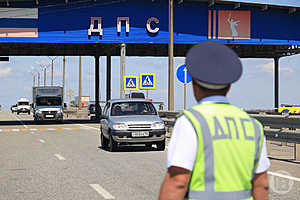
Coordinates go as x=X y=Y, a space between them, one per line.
x=47 y=103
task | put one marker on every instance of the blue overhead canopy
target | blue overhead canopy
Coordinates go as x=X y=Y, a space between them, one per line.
x=285 y=3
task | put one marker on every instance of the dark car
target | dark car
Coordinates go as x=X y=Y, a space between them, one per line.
x=131 y=121
x=92 y=111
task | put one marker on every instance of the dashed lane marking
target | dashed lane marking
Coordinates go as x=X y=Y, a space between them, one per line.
x=102 y=191
x=88 y=127
x=25 y=126
x=42 y=141
x=31 y=130
x=59 y=157
x=284 y=176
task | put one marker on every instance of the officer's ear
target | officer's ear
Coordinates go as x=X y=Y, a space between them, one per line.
x=197 y=92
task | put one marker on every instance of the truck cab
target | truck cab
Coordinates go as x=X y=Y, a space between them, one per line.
x=23 y=106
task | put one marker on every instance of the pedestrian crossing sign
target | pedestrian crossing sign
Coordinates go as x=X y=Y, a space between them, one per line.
x=131 y=83
x=147 y=81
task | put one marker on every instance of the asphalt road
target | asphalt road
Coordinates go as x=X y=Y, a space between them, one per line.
x=64 y=161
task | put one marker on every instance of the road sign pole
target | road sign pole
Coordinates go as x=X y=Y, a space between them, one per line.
x=147 y=93
x=185 y=81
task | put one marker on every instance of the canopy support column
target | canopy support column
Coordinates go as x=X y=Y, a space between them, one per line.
x=97 y=86
x=108 y=78
x=276 y=83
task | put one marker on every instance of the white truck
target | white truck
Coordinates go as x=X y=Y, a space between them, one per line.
x=47 y=103
x=23 y=106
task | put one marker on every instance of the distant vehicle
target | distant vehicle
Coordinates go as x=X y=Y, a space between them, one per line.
x=131 y=121
x=85 y=101
x=92 y=111
x=137 y=95
x=14 y=108
x=290 y=109
x=23 y=106
x=47 y=103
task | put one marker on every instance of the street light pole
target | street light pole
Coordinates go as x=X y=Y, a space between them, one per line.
x=122 y=69
x=39 y=79
x=52 y=72
x=63 y=82
x=52 y=68
x=33 y=84
x=45 y=74
x=79 y=89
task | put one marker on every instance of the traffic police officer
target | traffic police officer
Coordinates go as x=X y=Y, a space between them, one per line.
x=217 y=151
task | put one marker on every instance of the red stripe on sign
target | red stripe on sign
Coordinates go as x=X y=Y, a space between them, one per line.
x=215 y=24
x=209 y=24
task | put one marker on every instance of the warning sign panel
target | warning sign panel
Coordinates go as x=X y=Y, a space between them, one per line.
x=131 y=83
x=147 y=81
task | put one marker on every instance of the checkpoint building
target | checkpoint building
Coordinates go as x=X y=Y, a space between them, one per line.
x=253 y=28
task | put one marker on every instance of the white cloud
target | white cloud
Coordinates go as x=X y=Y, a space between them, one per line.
x=5 y=72
x=269 y=68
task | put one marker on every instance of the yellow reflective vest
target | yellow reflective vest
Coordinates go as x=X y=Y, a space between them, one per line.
x=229 y=147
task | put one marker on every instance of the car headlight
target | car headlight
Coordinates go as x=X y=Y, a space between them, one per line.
x=158 y=125
x=38 y=112
x=119 y=126
x=59 y=111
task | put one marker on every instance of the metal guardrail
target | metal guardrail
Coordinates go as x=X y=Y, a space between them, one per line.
x=277 y=127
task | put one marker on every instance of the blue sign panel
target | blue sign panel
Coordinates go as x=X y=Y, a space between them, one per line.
x=145 y=21
x=147 y=81
x=131 y=83
x=182 y=73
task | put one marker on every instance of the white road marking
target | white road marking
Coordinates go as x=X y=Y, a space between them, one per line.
x=42 y=141
x=51 y=129
x=21 y=121
x=15 y=130
x=68 y=128
x=0 y=130
x=32 y=132
x=284 y=176
x=89 y=127
x=102 y=191
x=33 y=129
x=59 y=157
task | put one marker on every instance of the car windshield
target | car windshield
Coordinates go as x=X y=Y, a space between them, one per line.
x=48 y=101
x=23 y=103
x=132 y=108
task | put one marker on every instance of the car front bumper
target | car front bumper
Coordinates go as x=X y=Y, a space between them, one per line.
x=126 y=136
x=42 y=117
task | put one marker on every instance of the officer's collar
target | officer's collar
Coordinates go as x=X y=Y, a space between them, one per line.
x=214 y=100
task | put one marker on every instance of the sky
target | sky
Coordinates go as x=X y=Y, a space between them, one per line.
x=255 y=89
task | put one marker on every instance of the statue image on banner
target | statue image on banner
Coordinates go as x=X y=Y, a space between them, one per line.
x=233 y=24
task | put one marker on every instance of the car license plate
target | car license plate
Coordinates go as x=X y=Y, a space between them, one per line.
x=92 y=115
x=49 y=115
x=140 y=134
